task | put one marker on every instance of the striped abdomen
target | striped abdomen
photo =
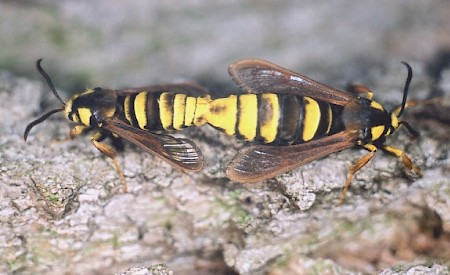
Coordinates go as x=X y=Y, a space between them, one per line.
x=274 y=118
x=162 y=111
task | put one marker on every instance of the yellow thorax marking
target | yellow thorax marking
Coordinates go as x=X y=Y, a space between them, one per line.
x=377 y=131
x=376 y=105
x=85 y=115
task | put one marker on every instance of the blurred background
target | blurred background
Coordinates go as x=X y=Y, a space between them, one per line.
x=119 y=44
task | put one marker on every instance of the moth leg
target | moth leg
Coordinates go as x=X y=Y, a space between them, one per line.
x=358 y=165
x=111 y=153
x=418 y=102
x=360 y=89
x=77 y=130
x=406 y=160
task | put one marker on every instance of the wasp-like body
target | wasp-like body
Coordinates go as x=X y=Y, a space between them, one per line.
x=142 y=116
x=290 y=119
x=293 y=120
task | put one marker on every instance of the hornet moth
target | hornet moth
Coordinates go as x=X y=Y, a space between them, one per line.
x=142 y=116
x=293 y=120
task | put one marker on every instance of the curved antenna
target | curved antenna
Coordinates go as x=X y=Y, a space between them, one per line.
x=49 y=81
x=413 y=132
x=406 y=88
x=39 y=120
x=46 y=115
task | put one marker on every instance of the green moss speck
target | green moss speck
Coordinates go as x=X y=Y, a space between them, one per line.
x=233 y=206
x=115 y=240
x=53 y=198
x=323 y=267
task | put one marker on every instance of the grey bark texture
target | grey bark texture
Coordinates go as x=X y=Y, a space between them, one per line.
x=62 y=209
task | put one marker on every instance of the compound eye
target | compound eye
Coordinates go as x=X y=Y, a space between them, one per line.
x=93 y=120
x=73 y=117
x=365 y=134
x=390 y=130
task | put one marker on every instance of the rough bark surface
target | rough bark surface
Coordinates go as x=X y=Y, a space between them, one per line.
x=62 y=209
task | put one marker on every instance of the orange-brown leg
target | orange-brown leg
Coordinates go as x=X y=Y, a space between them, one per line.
x=360 y=89
x=358 y=165
x=111 y=153
x=417 y=102
x=77 y=130
x=406 y=160
x=409 y=103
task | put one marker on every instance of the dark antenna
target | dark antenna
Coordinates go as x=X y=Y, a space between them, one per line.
x=413 y=132
x=39 y=120
x=405 y=90
x=49 y=81
x=46 y=115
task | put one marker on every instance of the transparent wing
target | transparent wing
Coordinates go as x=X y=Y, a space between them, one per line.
x=260 y=162
x=260 y=76
x=181 y=153
x=182 y=88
